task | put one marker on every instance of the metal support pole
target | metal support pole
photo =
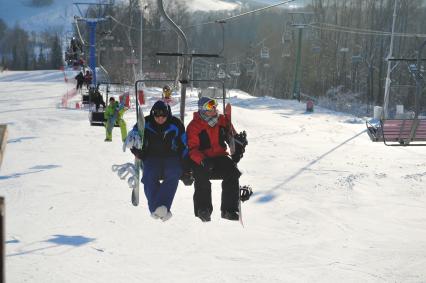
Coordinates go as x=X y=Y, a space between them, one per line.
x=192 y=72
x=296 y=83
x=140 y=50
x=186 y=59
x=419 y=80
x=388 y=73
x=92 y=49
x=2 y=240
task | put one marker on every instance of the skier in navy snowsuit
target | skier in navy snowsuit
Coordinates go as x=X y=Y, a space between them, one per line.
x=163 y=152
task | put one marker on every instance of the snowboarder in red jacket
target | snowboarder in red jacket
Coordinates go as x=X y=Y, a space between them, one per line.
x=207 y=136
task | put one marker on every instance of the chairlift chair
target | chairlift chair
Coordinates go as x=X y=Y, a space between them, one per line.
x=97 y=118
x=264 y=52
x=138 y=87
x=250 y=67
x=221 y=74
x=410 y=131
x=235 y=70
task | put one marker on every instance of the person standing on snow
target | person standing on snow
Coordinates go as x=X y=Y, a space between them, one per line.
x=163 y=152
x=207 y=134
x=80 y=80
x=114 y=114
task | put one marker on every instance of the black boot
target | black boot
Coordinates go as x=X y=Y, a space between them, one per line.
x=230 y=215
x=204 y=215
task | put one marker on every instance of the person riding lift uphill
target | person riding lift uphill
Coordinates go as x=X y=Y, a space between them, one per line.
x=163 y=154
x=207 y=134
x=114 y=114
x=167 y=94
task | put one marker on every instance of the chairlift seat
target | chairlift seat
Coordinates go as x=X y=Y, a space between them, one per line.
x=98 y=119
x=213 y=176
x=404 y=132
x=85 y=99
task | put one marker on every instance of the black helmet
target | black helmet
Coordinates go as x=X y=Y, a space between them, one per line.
x=159 y=108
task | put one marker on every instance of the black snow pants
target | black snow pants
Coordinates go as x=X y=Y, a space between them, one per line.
x=227 y=170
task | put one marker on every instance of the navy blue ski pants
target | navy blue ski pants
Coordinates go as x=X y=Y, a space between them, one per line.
x=161 y=193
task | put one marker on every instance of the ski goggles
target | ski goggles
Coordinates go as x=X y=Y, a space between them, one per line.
x=160 y=113
x=210 y=105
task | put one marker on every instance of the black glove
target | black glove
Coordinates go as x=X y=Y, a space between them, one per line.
x=137 y=152
x=187 y=178
x=245 y=193
x=240 y=146
x=207 y=164
x=240 y=142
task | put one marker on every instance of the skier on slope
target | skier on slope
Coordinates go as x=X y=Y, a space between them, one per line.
x=163 y=153
x=80 y=80
x=114 y=114
x=207 y=134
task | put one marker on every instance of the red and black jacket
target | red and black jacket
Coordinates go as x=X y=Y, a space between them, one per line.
x=205 y=141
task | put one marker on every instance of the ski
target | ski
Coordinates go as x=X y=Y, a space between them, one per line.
x=138 y=162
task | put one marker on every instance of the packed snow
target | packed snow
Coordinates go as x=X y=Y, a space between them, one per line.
x=329 y=204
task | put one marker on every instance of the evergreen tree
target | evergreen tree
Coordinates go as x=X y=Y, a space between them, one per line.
x=56 y=53
x=41 y=60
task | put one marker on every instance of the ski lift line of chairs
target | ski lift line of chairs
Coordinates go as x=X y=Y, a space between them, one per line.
x=403 y=132
x=97 y=118
x=140 y=83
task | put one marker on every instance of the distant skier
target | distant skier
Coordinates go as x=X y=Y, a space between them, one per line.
x=207 y=134
x=80 y=80
x=163 y=153
x=88 y=78
x=114 y=114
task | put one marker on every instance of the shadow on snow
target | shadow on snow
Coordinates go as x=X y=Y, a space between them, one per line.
x=56 y=241
x=38 y=168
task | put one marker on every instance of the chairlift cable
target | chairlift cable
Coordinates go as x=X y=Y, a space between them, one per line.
x=254 y=11
x=331 y=27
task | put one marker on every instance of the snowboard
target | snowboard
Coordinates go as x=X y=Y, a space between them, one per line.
x=138 y=162
x=231 y=139
x=231 y=130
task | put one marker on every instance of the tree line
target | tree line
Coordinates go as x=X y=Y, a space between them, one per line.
x=344 y=45
x=23 y=50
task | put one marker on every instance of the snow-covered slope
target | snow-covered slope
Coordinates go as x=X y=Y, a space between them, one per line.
x=329 y=205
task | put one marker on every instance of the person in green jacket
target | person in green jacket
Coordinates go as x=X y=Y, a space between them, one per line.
x=114 y=114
